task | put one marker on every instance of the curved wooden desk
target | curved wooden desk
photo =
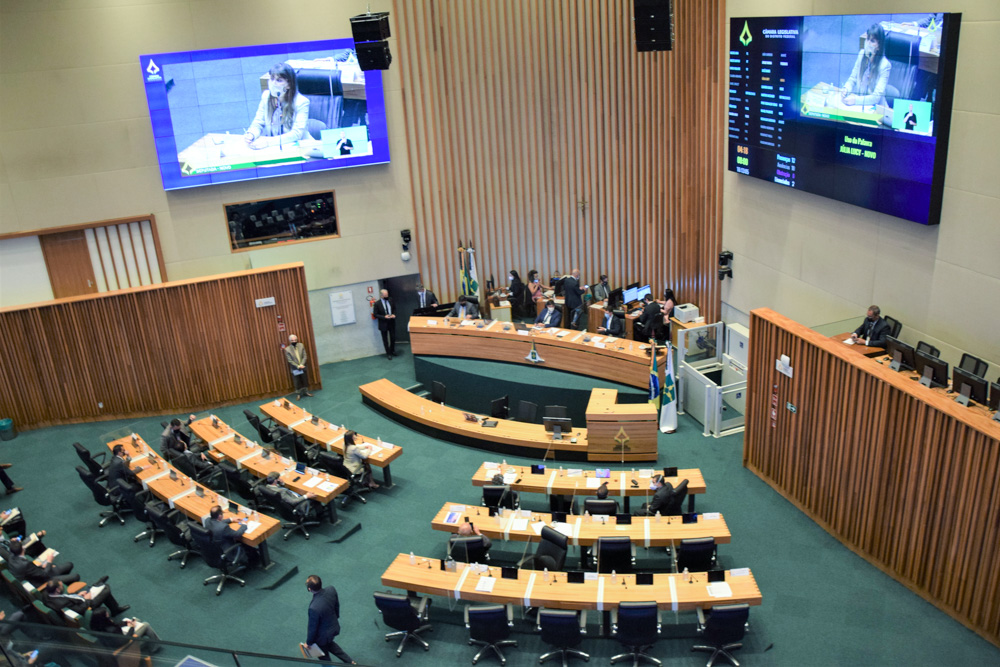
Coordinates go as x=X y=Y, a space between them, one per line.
x=330 y=436
x=670 y=591
x=615 y=359
x=612 y=426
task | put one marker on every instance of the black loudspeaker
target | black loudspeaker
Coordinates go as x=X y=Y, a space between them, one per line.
x=654 y=25
x=373 y=55
x=370 y=27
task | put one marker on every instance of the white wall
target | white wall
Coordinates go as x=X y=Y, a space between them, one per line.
x=23 y=276
x=76 y=144
x=347 y=341
x=817 y=260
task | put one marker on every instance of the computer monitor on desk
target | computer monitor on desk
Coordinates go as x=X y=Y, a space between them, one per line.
x=500 y=407
x=630 y=294
x=933 y=371
x=615 y=297
x=557 y=425
x=642 y=292
x=968 y=387
x=995 y=400
x=901 y=353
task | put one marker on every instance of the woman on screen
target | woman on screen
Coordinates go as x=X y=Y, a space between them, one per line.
x=871 y=71
x=282 y=114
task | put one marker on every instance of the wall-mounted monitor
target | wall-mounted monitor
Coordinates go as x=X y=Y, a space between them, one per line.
x=237 y=114
x=855 y=108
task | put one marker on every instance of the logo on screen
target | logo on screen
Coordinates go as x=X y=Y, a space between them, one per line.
x=745 y=36
x=153 y=71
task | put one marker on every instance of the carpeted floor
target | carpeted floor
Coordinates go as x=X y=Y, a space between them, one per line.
x=823 y=605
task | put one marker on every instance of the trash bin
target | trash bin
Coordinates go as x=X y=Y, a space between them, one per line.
x=7 y=431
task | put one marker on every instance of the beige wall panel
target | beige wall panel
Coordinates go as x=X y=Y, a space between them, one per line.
x=963 y=305
x=24 y=277
x=974 y=154
x=978 y=89
x=55 y=202
x=128 y=192
x=964 y=244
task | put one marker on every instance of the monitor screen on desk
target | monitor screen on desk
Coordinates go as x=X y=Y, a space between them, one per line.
x=630 y=294
x=565 y=423
x=995 y=396
x=642 y=292
x=901 y=353
x=218 y=117
x=933 y=368
x=978 y=388
x=615 y=297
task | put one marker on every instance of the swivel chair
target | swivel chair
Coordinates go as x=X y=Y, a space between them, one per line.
x=637 y=627
x=174 y=532
x=501 y=496
x=895 y=326
x=696 y=554
x=116 y=506
x=562 y=629
x=227 y=561
x=489 y=626
x=325 y=92
x=90 y=460
x=558 y=411
x=599 y=507
x=470 y=549
x=439 y=392
x=551 y=552
x=130 y=495
x=725 y=627
x=614 y=553
x=297 y=517
x=974 y=365
x=527 y=412
x=676 y=505
x=927 y=348
x=334 y=465
x=406 y=615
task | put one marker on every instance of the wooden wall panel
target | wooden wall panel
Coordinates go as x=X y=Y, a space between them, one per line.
x=901 y=474
x=539 y=134
x=152 y=350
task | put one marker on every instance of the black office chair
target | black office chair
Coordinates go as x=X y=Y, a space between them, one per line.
x=240 y=482
x=357 y=485
x=90 y=460
x=325 y=92
x=637 y=626
x=556 y=411
x=116 y=506
x=406 y=615
x=227 y=561
x=470 y=549
x=501 y=496
x=550 y=553
x=527 y=412
x=174 y=532
x=927 y=348
x=696 y=554
x=676 y=505
x=562 y=629
x=131 y=496
x=614 y=553
x=974 y=365
x=725 y=626
x=894 y=326
x=600 y=507
x=489 y=627
x=438 y=392
x=903 y=52
x=658 y=329
x=297 y=517
x=500 y=410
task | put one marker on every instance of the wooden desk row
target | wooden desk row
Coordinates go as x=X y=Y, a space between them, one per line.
x=611 y=426
x=531 y=589
x=221 y=438
x=182 y=493
x=330 y=436
x=578 y=482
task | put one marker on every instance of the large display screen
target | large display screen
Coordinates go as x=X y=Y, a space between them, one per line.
x=854 y=108
x=237 y=114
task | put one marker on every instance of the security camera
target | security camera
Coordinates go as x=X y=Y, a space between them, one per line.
x=725 y=256
x=405 y=255
x=406 y=235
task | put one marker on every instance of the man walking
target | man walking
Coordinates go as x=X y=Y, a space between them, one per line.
x=324 y=620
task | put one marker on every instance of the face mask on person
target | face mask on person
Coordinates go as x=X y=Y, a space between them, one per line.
x=653 y=486
x=276 y=89
x=510 y=278
x=869 y=49
x=551 y=308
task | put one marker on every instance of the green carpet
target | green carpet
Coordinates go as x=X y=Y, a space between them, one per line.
x=822 y=604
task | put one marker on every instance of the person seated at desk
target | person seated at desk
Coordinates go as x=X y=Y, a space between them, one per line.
x=23 y=567
x=873 y=330
x=468 y=530
x=668 y=303
x=464 y=309
x=601 y=290
x=516 y=292
x=227 y=537
x=870 y=74
x=282 y=115
x=177 y=436
x=302 y=505
x=126 y=629
x=611 y=325
x=356 y=459
x=118 y=470
x=56 y=597
x=534 y=287
x=644 y=325
x=425 y=297
x=662 y=492
x=550 y=315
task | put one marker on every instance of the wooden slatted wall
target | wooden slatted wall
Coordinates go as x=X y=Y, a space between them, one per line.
x=538 y=133
x=903 y=476
x=152 y=350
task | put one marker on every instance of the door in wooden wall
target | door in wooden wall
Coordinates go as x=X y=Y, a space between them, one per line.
x=67 y=258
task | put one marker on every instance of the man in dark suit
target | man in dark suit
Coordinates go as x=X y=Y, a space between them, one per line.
x=118 y=470
x=425 y=297
x=574 y=297
x=24 y=568
x=610 y=325
x=219 y=526
x=176 y=436
x=644 y=325
x=385 y=312
x=56 y=597
x=550 y=315
x=464 y=309
x=324 y=619
x=873 y=330
x=662 y=492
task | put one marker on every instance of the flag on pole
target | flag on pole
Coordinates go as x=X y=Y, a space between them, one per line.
x=463 y=272
x=668 y=413
x=473 y=275
x=654 y=380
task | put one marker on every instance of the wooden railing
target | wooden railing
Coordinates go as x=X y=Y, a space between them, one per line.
x=152 y=350
x=899 y=473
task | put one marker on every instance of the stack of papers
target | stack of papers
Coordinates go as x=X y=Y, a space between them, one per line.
x=252 y=526
x=519 y=525
x=327 y=487
x=593 y=483
x=313 y=482
x=485 y=584
x=574 y=472
x=720 y=589
x=563 y=528
x=452 y=517
x=509 y=477
x=711 y=516
x=740 y=572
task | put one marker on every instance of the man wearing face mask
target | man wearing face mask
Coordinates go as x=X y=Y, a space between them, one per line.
x=464 y=309
x=873 y=330
x=662 y=492
x=425 y=297
x=601 y=290
x=295 y=357
x=282 y=114
x=550 y=315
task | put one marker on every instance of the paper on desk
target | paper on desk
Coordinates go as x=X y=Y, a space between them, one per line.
x=519 y=525
x=563 y=528
x=327 y=487
x=593 y=482
x=537 y=527
x=596 y=339
x=562 y=332
x=645 y=473
x=490 y=465
x=456 y=508
x=600 y=345
x=466 y=323
x=720 y=589
x=252 y=526
x=485 y=584
x=848 y=341
x=452 y=517
x=522 y=333
x=509 y=477
x=313 y=482
x=711 y=516
x=574 y=472
x=740 y=572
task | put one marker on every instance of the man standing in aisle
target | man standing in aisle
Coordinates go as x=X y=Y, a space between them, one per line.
x=385 y=312
x=324 y=620
x=295 y=355
x=574 y=297
x=425 y=297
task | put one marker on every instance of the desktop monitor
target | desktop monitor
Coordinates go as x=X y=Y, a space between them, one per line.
x=557 y=425
x=901 y=353
x=643 y=292
x=500 y=407
x=995 y=396
x=968 y=386
x=630 y=294
x=933 y=371
x=558 y=288
x=615 y=297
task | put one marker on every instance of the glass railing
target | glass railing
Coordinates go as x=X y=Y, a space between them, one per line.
x=60 y=645
x=838 y=327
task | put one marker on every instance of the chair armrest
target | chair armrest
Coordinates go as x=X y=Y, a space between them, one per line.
x=701 y=619
x=614 y=621
x=422 y=607
x=465 y=614
x=99 y=456
x=510 y=615
x=583 y=622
